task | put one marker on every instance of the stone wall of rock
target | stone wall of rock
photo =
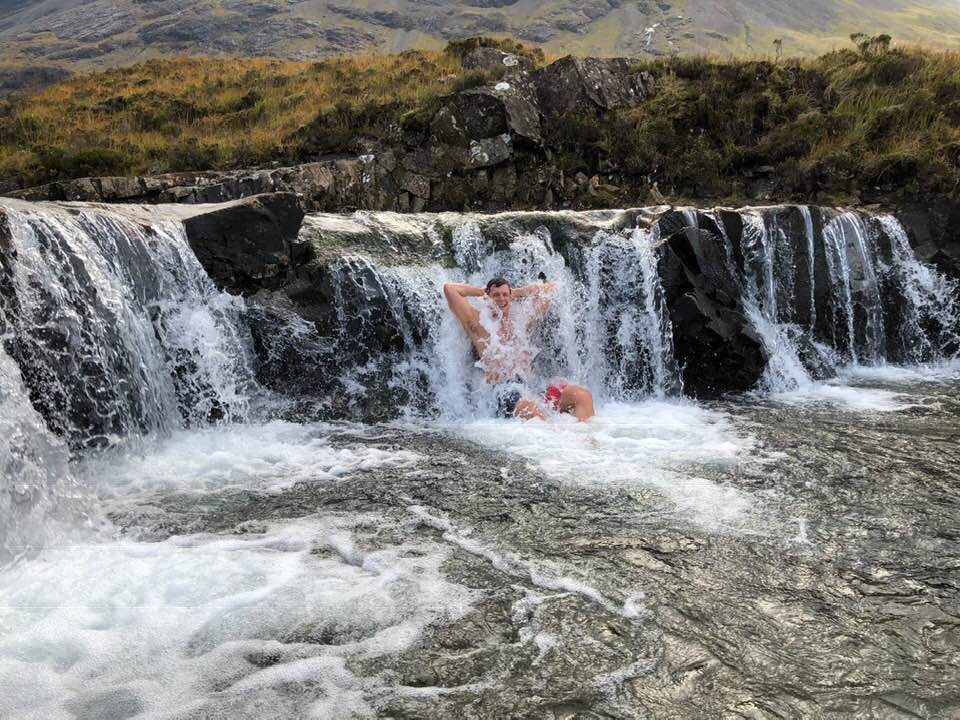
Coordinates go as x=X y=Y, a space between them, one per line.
x=481 y=149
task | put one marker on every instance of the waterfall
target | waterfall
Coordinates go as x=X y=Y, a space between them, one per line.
x=852 y=260
x=117 y=329
x=811 y=267
x=785 y=370
x=110 y=329
x=34 y=472
x=118 y=332
x=610 y=327
x=932 y=302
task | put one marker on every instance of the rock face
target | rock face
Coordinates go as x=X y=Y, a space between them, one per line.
x=250 y=242
x=481 y=148
x=714 y=342
x=577 y=85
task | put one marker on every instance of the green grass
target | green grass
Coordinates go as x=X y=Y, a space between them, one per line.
x=845 y=122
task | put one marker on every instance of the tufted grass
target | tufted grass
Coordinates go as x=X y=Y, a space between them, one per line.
x=844 y=123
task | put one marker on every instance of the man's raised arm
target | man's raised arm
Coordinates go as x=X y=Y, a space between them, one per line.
x=462 y=289
x=457 y=294
x=542 y=294
x=537 y=288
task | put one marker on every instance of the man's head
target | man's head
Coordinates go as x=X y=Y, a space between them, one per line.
x=500 y=292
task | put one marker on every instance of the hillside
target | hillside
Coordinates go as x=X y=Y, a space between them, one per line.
x=101 y=33
x=847 y=125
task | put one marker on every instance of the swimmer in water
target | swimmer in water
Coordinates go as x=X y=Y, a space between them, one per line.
x=507 y=357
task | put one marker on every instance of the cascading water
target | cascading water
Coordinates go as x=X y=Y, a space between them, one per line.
x=118 y=333
x=118 y=328
x=610 y=326
x=307 y=569
x=929 y=330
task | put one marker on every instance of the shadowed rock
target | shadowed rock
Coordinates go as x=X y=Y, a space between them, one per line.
x=247 y=243
x=573 y=85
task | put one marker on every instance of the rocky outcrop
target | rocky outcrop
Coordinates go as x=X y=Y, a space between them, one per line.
x=579 y=85
x=715 y=344
x=248 y=243
x=481 y=148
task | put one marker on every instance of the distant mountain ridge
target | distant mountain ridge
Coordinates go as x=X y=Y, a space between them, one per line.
x=100 y=33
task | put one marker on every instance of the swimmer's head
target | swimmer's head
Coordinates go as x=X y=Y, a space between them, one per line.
x=498 y=290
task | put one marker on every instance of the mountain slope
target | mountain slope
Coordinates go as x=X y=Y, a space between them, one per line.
x=99 y=33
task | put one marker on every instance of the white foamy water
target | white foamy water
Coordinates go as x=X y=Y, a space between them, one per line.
x=264 y=457
x=657 y=444
x=875 y=388
x=204 y=625
x=842 y=396
x=932 y=372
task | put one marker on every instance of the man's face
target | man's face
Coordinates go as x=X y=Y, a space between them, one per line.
x=501 y=296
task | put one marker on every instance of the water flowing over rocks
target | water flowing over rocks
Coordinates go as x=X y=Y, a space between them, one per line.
x=235 y=554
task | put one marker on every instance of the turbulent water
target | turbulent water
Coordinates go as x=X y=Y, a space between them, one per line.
x=178 y=541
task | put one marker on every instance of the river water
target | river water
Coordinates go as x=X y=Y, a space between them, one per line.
x=790 y=552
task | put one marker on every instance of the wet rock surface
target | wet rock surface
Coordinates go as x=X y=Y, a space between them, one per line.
x=250 y=242
x=837 y=595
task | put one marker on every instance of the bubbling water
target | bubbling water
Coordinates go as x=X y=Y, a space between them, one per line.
x=111 y=331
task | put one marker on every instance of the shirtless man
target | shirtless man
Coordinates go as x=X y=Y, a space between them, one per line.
x=507 y=359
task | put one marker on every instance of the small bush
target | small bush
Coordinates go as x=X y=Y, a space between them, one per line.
x=470 y=79
x=85 y=162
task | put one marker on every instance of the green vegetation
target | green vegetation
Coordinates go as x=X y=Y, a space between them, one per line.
x=844 y=123
x=850 y=121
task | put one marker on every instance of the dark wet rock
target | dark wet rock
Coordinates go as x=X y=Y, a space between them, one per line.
x=715 y=345
x=293 y=358
x=934 y=232
x=248 y=243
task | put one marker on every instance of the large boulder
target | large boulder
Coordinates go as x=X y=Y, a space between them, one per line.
x=247 y=244
x=488 y=58
x=714 y=342
x=574 y=85
x=487 y=112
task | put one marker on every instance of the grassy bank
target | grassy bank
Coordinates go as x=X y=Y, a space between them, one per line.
x=847 y=121
x=204 y=113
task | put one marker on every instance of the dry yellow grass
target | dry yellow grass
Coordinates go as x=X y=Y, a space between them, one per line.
x=195 y=113
x=850 y=118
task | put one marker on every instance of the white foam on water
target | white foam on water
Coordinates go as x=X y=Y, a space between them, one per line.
x=873 y=388
x=905 y=375
x=842 y=396
x=226 y=626
x=653 y=443
x=265 y=457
